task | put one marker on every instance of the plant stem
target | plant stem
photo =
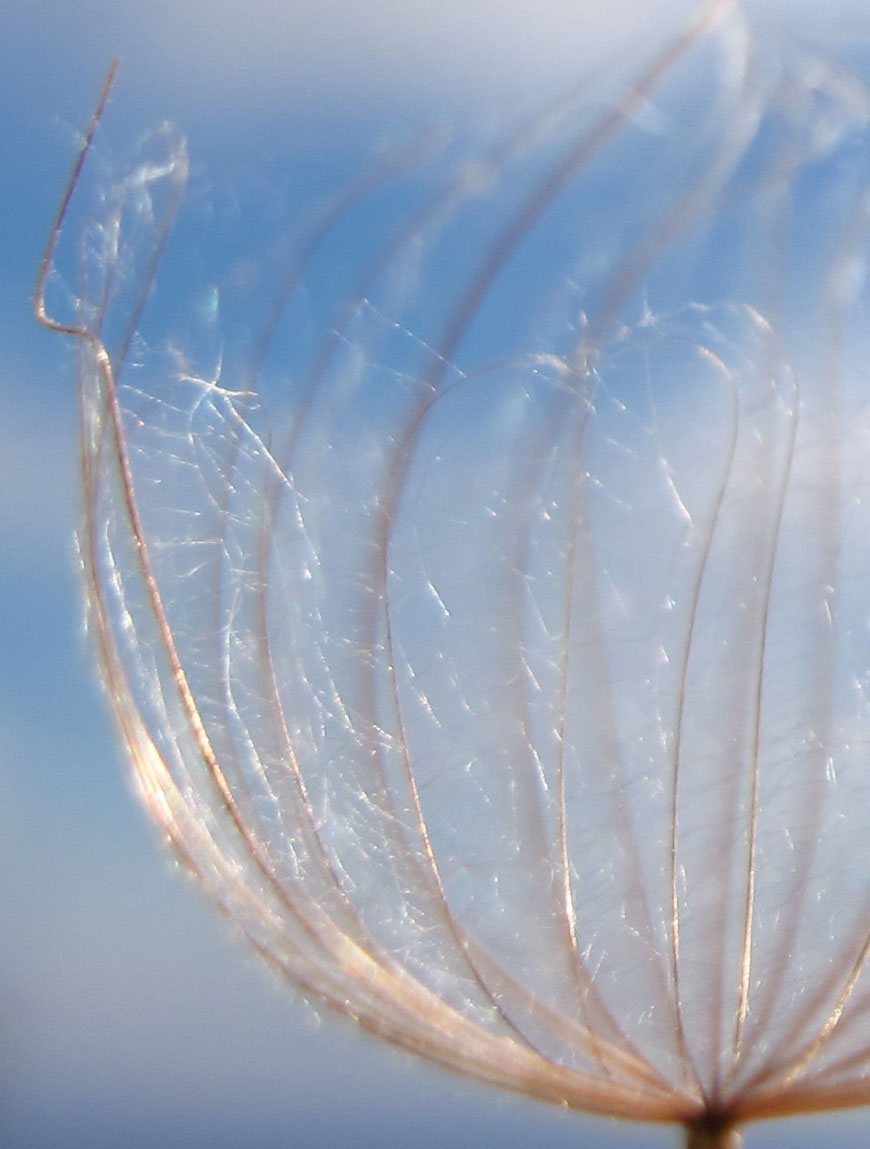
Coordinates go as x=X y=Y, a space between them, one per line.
x=713 y=1133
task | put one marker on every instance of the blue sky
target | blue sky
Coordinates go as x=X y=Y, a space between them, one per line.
x=130 y=1015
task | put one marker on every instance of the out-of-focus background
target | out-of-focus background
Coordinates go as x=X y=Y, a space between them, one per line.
x=128 y=1013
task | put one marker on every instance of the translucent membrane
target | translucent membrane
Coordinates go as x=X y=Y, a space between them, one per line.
x=507 y=682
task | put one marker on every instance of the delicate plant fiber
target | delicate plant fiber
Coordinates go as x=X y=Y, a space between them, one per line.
x=510 y=691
